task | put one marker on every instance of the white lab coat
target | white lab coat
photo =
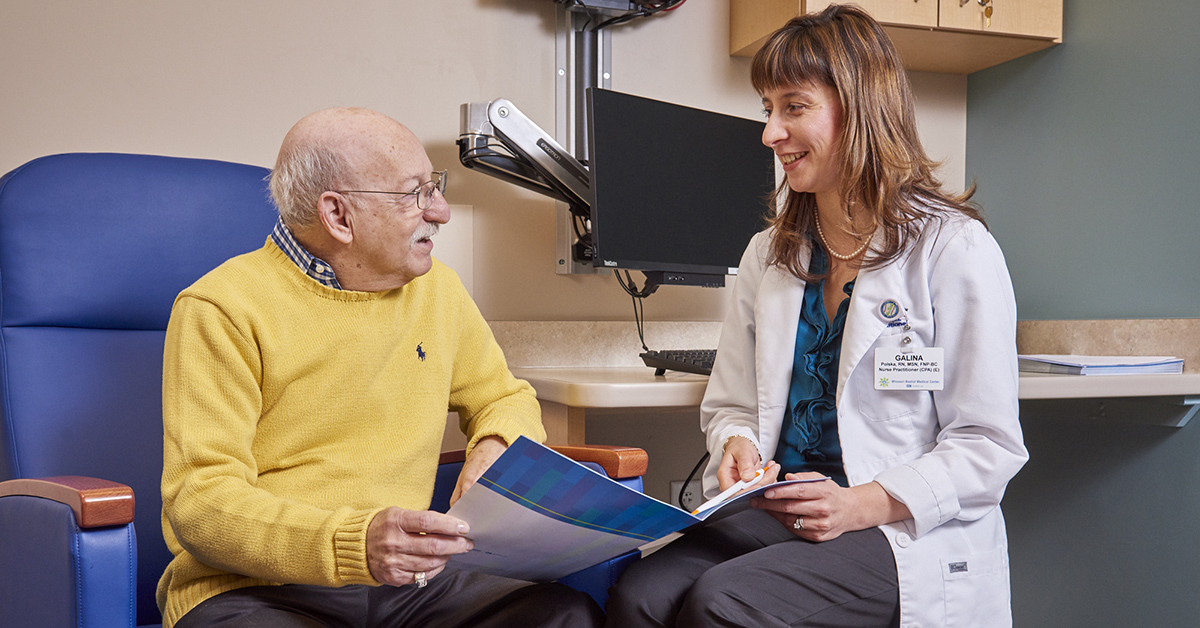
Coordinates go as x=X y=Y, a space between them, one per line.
x=946 y=455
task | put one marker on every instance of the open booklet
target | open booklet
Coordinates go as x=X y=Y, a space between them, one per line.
x=538 y=515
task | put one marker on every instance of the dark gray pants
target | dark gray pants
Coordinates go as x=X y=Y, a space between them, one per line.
x=750 y=570
x=453 y=599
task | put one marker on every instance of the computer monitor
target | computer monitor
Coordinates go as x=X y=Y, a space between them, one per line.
x=677 y=192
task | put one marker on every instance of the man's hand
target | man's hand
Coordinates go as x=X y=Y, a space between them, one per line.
x=402 y=543
x=482 y=456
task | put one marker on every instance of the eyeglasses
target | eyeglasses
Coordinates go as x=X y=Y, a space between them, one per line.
x=424 y=192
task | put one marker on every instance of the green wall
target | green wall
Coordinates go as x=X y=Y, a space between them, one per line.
x=1087 y=157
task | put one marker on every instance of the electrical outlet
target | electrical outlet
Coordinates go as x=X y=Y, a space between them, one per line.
x=692 y=497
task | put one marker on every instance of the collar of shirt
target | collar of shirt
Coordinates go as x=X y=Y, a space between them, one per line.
x=313 y=266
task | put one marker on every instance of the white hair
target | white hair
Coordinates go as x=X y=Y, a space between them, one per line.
x=301 y=175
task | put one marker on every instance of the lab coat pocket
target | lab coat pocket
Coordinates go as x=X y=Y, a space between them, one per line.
x=890 y=405
x=883 y=406
x=977 y=589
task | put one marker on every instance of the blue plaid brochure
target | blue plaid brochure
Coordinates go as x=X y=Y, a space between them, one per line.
x=537 y=515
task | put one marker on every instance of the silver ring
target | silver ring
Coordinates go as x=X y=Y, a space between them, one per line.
x=419 y=578
x=799 y=524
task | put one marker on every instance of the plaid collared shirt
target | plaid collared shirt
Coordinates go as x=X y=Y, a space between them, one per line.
x=312 y=266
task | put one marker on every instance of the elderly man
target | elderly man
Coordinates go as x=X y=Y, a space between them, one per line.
x=305 y=388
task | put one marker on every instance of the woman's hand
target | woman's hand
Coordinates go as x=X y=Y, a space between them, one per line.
x=739 y=462
x=822 y=511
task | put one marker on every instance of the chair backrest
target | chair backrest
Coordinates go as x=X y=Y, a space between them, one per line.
x=93 y=250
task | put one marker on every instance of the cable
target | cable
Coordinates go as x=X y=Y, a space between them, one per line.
x=520 y=172
x=639 y=306
x=648 y=8
x=691 y=475
x=468 y=156
x=492 y=146
x=639 y=316
x=655 y=7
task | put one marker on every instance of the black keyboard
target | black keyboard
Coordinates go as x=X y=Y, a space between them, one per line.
x=699 y=361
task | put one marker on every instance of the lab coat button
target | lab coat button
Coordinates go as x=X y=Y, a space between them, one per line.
x=903 y=540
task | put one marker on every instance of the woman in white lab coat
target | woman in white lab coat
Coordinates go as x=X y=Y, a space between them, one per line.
x=870 y=341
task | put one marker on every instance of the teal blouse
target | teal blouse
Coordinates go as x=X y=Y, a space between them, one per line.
x=808 y=440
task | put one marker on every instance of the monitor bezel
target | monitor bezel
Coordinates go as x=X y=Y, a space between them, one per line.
x=688 y=268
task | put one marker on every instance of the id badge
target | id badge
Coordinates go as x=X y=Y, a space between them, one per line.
x=919 y=369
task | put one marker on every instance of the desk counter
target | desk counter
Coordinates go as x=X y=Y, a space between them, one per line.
x=566 y=393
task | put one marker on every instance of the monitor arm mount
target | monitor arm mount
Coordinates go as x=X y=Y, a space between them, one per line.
x=497 y=139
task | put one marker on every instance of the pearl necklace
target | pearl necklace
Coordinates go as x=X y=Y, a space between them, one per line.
x=844 y=258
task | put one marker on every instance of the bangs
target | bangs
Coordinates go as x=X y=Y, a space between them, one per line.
x=794 y=55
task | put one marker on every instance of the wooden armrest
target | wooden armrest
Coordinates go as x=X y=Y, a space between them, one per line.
x=617 y=462
x=96 y=503
x=454 y=455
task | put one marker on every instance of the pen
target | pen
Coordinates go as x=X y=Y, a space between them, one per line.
x=725 y=494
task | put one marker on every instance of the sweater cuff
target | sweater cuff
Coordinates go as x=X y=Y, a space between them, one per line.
x=509 y=424
x=350 y=548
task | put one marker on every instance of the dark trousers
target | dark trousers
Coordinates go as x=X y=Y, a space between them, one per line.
x=453 y=599
x=750 y=570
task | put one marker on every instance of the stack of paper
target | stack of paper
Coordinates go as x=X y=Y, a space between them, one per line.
x=1100 y=364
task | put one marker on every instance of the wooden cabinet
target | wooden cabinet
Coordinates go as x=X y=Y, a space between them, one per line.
x=908 y=12
x=1028 y=18
x=954 y=36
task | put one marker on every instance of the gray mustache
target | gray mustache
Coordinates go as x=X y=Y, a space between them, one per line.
x=428 y=231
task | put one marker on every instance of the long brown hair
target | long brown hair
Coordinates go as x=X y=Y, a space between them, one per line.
x=885 y=171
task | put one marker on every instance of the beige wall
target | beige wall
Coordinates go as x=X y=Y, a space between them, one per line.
x=225 y=79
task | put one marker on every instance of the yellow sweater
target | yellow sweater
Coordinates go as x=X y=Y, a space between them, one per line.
x=293 y=413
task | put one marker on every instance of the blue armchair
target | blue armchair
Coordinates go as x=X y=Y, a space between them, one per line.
x=93 y=250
